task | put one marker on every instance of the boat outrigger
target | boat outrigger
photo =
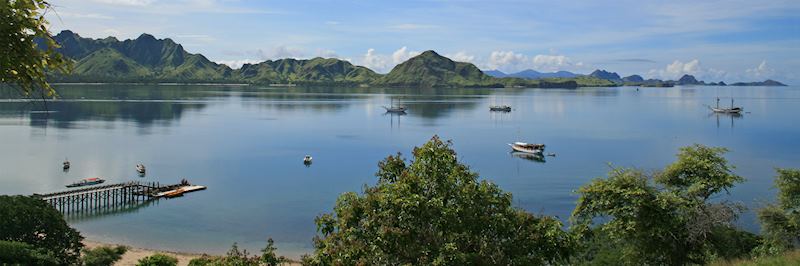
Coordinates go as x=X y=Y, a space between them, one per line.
x=87 y=182
x=732 y=110
x=527 y=147
x=500 y=108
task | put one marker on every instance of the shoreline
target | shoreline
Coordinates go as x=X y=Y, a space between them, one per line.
x=135 y=253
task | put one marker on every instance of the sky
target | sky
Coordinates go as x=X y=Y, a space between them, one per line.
x=714 y=40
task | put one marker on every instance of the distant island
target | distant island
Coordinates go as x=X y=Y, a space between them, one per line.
x=150 y=60
x=632 y=80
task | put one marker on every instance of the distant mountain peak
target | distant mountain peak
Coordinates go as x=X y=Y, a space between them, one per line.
x=603 y=74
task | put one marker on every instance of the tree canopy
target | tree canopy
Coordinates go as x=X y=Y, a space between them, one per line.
x=36 y=223
x=435 y=211
x=27 y=51
x=780 y=221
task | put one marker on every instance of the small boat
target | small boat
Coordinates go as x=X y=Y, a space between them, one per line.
x=395 y=109
x=500 y=108
x=65 y=164
x=527 y=147
x=732 y=110
x=174 y=193
x=87 y=182
x=140 y=168
x=307 y=160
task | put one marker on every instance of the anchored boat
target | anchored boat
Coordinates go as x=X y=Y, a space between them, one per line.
x=732 y=110
x=65 y=164
x=140 y=168
x=87 y=182
x=307 y=159
x=527 y=147
x=395 y=108
x=500 y=108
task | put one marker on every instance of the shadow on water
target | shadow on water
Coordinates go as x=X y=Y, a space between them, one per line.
x=726 y=116
x=537 y=158
x=107 y=211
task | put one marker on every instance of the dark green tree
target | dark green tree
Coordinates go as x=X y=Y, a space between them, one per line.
x=23 y=62
x=103 y=256
x=780 y=222
x=18 y=253
x=158 y=260
x=669 y=221
x=268 y=256
x=434 y=211
x=33 y=221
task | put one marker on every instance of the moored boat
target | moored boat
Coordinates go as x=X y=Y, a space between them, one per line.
x=395 y=109
x=65 y=164
x=732 y=110
x=87 y=182
x=500 y=108
x=140 y=168
x=307 y=159
x=527 y=147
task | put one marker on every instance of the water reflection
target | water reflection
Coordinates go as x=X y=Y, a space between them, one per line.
x=538 y=158
x=726 y=116
x=106 y=211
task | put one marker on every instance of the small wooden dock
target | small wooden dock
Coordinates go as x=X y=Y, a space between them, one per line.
x=105 y=196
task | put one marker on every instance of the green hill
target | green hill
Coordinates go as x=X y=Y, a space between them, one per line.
x=150 y=60
x=430 y=69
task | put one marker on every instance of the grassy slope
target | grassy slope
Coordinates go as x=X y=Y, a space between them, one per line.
x=789 y=258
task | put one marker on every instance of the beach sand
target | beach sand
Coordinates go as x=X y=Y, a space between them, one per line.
x=134 y=254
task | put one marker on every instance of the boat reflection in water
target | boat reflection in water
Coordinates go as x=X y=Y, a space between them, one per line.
x=534 y=157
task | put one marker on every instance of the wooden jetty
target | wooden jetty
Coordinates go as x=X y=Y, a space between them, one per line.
x=106 y=196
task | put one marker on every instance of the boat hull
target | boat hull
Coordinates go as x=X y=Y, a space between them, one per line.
x=83 y=184
x=526 y=149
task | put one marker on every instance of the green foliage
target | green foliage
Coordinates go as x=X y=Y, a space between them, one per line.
x=668 y=222
x=781 y=222
x=240 y=257
x=434 y=211
x=23 y=62
x=268 y=256
x=32 y=221
x=19 y=253
x=158 y=260
x=103 y=256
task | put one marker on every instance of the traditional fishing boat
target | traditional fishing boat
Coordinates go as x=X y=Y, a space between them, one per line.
x=395 y=108
x=65 y=164
x=87 y=182
x=500 y=108
x=732 y=110
x=307 y=159
x=527 y=147
x=140 y=168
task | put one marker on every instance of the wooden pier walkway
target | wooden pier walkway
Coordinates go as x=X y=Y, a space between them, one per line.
x=104 y=196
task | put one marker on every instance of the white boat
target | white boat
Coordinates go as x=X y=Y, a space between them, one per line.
x=527 y=147
x=500 y=108
x=140 y=168
x=732 y=110
x=307 y=159
x=65 y=164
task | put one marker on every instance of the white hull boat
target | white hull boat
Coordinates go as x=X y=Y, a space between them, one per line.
x=527 y=147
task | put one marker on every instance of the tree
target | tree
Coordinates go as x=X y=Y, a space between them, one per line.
x=23 y=62
x=18 y=253
x=32 y=221
x=780 y=222
x=158 y=259
x=268 y=255
x=670 y=221
x=101 y=256
x=434 y=211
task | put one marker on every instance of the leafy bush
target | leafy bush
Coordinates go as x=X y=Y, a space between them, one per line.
x=781 y=222
x=434 y=211
x=18 y=253
x=101 y=256
x=158 y=260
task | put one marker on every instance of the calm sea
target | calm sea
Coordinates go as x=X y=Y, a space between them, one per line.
x=247 y=144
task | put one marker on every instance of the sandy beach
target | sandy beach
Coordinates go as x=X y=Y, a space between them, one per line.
x=134 y=254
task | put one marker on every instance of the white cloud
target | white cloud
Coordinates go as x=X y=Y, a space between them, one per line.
x=509 y=61
x=236 y=64
x=374 y=61
x=761 y=71
x=332 y=22
x=403 y=54
x=551 y=63
x=461 y=56
x=325 y=53
x=677 y=69
x=281 y=52
x=83 y=15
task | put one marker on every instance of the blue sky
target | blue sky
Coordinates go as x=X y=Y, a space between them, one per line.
x=713 y=40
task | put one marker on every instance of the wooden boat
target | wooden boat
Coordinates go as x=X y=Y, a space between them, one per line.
x=65 y=164
x=180 y=191
x=174 y=193
x=527 y=147
x=395 y=109
x=500 y=108
x=307 y=159
x=732 y=110
x=140 y=168
x=87 y=182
